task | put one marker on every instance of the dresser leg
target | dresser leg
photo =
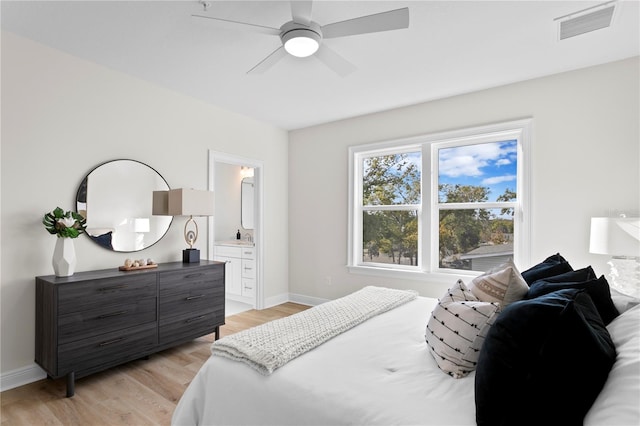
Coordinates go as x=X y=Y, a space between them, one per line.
x=217 y=333
x=71 y=387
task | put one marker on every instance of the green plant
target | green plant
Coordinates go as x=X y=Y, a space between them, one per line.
x=64 y=224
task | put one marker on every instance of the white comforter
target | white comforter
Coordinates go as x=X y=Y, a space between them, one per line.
x=378 y=373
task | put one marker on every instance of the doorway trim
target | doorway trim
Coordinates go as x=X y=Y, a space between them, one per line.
x=258 y=232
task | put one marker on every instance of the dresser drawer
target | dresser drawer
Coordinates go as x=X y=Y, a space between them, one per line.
x=191 y=280
x=190 y=325
x=109 y=347
x=85 y=324
x=94 y=294
x=199 y=300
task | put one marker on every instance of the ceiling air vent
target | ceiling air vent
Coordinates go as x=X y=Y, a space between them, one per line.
x=587 y=20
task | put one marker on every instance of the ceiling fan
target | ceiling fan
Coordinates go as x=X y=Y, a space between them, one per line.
x=302 y=37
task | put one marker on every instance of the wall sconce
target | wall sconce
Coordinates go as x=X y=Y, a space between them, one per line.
x=619 y=237
x=185 y=202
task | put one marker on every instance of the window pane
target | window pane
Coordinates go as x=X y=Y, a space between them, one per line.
x=390 y=237
x=391 y=179
x=475 y=239
x=478 y=173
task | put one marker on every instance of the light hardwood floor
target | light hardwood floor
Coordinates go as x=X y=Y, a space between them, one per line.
x=143 y=392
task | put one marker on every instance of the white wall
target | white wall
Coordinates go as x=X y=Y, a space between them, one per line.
x=61 y=116
x=585 y=162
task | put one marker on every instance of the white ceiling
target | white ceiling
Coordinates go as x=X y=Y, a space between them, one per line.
x=451 y=47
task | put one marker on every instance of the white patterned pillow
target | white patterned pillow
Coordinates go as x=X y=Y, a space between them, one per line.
x=503 y=285
x=457 y=328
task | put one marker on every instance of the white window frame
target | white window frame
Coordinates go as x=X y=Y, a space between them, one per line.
x=428 y=264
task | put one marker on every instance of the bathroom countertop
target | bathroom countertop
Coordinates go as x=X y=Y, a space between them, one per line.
x=235 y=243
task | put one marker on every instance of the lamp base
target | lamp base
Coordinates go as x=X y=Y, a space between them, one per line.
x=190 y=256
x=624 y=275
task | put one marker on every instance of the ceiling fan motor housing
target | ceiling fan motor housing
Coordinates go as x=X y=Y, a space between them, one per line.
x=301 y=40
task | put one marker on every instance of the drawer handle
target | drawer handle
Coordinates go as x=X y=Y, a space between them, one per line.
x=113 y=314
x=194 y=275
x=111 y=342
x=190 y=320
x=194 y=297
x=115 y=287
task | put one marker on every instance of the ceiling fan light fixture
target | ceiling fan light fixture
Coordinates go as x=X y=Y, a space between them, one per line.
x=301 y=42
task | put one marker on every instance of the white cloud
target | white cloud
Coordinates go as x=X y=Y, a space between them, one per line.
x=469 y=160
x=498 y=179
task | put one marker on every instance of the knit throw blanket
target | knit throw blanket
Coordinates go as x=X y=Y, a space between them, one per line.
x=273 y=344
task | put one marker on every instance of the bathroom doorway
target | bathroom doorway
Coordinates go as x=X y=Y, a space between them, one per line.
x=235 y=232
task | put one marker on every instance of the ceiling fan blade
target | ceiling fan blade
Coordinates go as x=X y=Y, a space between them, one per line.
x=269 y=61
x=235 y=25
x=333 y=60
x=384 y=21
x=301 y=11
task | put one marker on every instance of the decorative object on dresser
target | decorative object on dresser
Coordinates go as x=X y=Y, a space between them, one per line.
x=65 y=225
x=185 y=202
x=619 y=237
x=99 y=319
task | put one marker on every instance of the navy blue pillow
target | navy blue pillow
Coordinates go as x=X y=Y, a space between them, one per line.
x=577 y=275
x=104 y=240
x=544 y=361
x=552 y=265
x=597 y=288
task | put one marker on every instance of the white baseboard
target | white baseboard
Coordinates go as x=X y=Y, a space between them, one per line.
x=272 y=301
x=306 y=300
x=21 y=376
x=293 y=297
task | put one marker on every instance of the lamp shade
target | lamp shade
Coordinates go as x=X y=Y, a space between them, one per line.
x=615 y=236
x=160 y=203
x=190 y=202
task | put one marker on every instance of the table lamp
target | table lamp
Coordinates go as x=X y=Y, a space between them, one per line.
x=619 y=237
x=185 y=202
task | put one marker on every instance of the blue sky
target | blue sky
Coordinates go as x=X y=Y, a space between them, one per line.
x=492 y=165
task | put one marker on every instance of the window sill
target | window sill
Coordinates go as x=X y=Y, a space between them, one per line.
x=432 y=277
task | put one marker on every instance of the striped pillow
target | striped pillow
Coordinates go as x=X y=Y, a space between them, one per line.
x=457 y=328
x=503 y=285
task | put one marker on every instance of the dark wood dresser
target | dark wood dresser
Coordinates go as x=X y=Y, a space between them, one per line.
x=95 y=320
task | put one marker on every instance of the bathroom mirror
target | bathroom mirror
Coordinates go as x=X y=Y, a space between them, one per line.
x=116 y=199
x=246 y=203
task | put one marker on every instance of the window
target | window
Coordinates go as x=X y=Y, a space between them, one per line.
x=452 y=202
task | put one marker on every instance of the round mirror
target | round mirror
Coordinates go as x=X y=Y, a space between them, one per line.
x=116 y=198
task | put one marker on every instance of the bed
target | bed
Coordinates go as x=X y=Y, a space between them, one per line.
x=381 y=371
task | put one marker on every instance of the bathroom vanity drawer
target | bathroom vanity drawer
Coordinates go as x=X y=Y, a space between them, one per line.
x=248 y=268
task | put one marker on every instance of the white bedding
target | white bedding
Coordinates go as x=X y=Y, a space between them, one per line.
x=380 y=373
